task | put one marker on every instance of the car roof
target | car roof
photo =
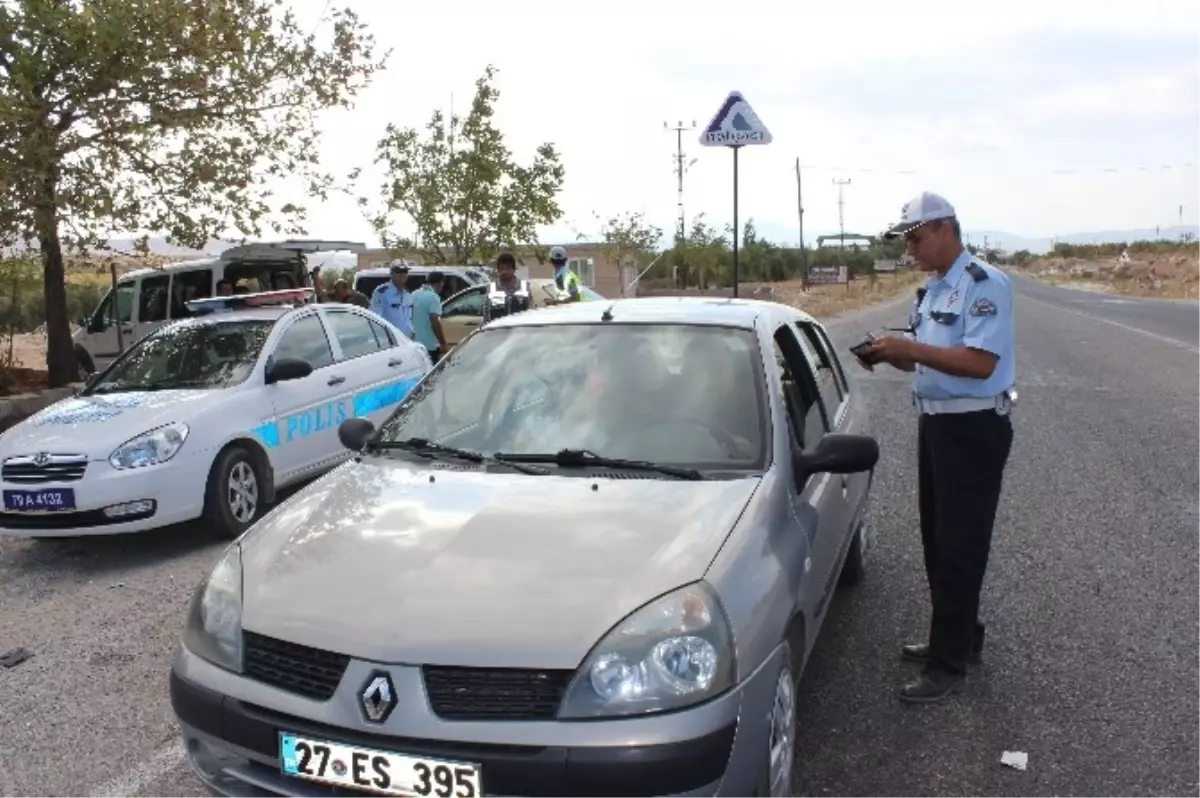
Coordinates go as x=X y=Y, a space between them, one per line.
x=716 y=311
x=384 y=271
x=255 y=250
x=272 y=314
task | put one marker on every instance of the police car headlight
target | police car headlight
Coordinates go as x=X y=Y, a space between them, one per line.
x=214 y=624
x=672 y=653
x=156 y=446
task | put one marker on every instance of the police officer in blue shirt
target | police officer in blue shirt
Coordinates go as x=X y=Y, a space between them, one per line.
x=961 y=349
x=393 y=301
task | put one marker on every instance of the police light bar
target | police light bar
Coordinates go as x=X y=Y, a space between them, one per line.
x=263 y=299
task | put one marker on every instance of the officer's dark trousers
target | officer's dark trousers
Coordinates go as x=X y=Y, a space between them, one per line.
x=961 y=467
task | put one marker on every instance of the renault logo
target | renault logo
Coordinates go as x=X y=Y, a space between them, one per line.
x=378 y=698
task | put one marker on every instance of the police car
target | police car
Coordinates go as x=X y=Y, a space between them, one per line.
x=206 y=417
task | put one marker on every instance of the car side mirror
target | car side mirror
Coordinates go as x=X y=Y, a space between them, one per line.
x=355 y=432
x=288 y=368
x=837 y=453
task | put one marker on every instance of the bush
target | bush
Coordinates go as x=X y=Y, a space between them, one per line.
x=23 y=296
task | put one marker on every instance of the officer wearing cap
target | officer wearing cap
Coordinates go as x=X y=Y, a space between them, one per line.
x=393 y=301
x=961 y=349
x=566 y=280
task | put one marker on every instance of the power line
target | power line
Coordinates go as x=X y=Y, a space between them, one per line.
x=1104 y=170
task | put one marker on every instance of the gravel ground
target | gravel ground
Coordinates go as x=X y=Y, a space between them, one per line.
x=1091 y=600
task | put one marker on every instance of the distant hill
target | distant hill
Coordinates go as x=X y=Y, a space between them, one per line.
x=783 y=235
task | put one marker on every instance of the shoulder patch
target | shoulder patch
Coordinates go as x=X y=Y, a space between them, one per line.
x=983 y=307
x=977 y=272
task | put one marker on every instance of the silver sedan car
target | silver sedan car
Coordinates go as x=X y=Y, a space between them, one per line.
x=588 y=555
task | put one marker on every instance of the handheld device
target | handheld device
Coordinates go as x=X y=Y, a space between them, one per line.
x=859 y=351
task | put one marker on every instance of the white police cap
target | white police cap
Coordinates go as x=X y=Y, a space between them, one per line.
x=927 y=207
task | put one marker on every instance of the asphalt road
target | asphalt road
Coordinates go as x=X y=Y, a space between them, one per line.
x=1091 y=599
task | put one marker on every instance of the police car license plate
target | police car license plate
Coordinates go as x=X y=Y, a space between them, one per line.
x=372 y=770
x=40 y=501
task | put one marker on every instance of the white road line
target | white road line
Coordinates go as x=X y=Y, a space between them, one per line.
x=159 y=764
x=1163 y=338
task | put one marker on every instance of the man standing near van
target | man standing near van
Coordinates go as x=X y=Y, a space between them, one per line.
x=427 y=316
x=393 y=301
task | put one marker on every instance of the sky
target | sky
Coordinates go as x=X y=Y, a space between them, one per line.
x=1035 y=117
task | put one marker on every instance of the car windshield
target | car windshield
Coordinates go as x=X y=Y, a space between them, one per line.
x=215 y=354
x=667 y=393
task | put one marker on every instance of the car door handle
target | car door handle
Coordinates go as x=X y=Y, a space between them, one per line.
x=472 y=322
x=336 y=380
x=127 y=330
x=393 y=363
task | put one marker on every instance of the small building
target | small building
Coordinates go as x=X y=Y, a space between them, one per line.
x=594 y=264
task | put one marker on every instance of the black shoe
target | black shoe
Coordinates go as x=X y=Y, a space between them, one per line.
x=919 y=652
x=933 y=684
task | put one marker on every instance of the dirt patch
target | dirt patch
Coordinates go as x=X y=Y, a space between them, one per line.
x=1170 y=275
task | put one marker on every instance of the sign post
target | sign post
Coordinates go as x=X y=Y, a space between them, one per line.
x=735 y=125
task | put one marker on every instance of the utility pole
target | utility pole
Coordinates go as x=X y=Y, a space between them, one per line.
x=681 y=231
x=803 y=252
x=679 y=129
x=841 y=213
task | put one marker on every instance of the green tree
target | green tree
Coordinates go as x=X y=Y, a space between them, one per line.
x=629 y=237
x=461 y=187
x=705 y=256
x=164 y=115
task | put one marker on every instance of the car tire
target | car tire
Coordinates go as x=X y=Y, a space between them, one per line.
x=234 y=497
x=84 y=364
x=779 y=761
x=855 y=566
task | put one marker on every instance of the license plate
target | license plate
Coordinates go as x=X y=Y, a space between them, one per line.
x=372 y=770
x=48 y=500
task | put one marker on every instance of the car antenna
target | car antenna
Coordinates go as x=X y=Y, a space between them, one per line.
x=607 y=314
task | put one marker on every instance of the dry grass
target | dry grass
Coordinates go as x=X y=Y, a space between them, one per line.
x=820 y=301
x=1169 y=275
x=823 y=301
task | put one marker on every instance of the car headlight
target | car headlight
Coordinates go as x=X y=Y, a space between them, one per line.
x=674 y=652
x=156 y=446
x=214 y=624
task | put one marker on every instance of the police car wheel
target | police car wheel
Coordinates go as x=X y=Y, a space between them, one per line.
x=778 y=774
x=855 y=566
x=234 y=498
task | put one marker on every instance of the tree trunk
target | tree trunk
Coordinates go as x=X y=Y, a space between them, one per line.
x=60 y=351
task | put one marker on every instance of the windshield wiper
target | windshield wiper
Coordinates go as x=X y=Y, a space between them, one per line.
x=130 y=388
x=582 y=458
x=429 y=449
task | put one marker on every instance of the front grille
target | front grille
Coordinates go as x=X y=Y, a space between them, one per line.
x=298 y=669
x=494 y=693
x=44 y=468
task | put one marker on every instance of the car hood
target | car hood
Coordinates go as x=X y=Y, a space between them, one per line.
x=95 y=425
x=391 y=562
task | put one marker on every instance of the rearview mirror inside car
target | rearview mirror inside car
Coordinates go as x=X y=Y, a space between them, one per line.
x=288 y=368
x=355 y=432
x=837 y=453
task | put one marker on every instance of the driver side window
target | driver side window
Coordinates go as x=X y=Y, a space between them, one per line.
x=799 y=391
x=466 y=305
x=305 y=340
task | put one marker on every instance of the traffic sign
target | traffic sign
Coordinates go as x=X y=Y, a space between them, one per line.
x=735 y=125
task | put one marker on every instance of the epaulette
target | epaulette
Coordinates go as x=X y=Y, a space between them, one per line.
x=921 y=294
x=977 y=272
x=379 y=289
